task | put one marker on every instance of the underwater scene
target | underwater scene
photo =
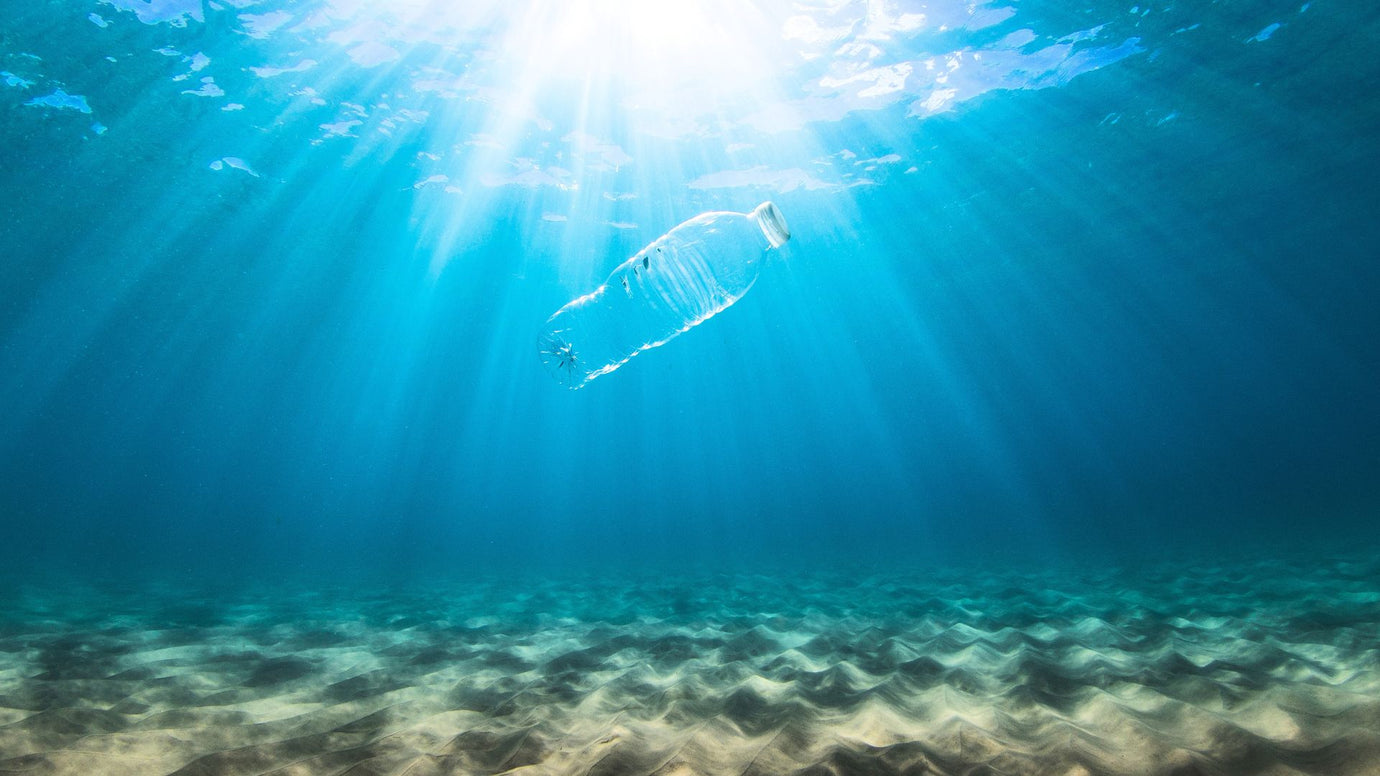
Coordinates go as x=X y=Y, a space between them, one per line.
x=689 y=388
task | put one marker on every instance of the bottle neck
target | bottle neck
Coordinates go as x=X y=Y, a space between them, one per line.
x=772 y=224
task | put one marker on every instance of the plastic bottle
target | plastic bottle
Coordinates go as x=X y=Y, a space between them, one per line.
x=682 y=279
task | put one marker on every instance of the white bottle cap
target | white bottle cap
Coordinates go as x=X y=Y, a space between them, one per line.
x=773 y=224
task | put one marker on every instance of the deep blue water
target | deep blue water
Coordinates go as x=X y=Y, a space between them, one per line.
x=271 y=275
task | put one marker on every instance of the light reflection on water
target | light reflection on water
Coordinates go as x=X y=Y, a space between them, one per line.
x=534 y=96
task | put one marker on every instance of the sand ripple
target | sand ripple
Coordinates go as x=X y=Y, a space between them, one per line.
x=1269 y=668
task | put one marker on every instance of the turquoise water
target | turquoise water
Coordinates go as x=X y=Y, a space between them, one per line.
x=1070 y=286
x=1111 y=291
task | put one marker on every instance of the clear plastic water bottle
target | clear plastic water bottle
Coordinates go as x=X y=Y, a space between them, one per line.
x=682 y=279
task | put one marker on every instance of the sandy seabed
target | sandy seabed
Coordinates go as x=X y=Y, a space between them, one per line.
x=1260 y=668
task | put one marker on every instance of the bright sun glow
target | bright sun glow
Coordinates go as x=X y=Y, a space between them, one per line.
x=647 y=44
x=673 y=60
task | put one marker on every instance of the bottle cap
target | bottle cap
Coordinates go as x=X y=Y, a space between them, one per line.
x=773 y=224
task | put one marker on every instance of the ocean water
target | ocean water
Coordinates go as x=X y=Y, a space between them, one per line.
x=1048 y=444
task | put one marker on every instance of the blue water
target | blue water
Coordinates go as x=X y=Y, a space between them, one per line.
x=1049 y=444
x=1067 y=281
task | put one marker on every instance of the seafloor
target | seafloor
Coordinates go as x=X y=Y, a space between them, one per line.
x=1266 y=667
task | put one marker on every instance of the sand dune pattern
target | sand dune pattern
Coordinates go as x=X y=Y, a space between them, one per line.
x=1271 y=668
